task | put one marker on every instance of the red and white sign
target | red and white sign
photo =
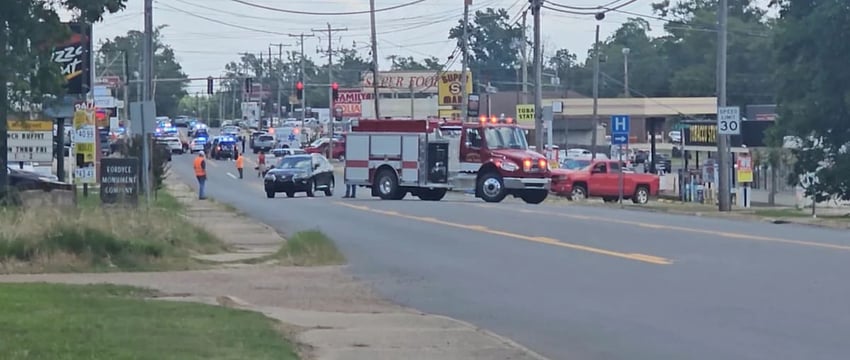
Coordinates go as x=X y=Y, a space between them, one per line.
x=403 y=81
x=350 y=101
x=112 y=82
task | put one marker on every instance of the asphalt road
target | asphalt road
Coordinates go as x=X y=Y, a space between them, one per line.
x=573 y=282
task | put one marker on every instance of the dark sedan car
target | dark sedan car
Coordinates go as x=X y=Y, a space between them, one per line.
x=300 y=173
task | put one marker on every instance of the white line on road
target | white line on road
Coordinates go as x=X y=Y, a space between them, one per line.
x=231 y=175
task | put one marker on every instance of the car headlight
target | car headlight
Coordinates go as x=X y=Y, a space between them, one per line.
x=508 y=166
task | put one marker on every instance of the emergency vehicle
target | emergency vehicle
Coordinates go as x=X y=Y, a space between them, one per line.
x=428 y=158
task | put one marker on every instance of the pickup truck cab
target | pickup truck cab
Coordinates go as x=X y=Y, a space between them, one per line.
x=601 y=179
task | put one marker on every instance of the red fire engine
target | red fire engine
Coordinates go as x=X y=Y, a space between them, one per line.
x=428 y=158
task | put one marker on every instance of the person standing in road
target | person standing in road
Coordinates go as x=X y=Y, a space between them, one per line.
x=350 y=191
x=240 y=163
x=201 y=173
x=261 y=164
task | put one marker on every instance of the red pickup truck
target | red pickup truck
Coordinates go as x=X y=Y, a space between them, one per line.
x=601 y=179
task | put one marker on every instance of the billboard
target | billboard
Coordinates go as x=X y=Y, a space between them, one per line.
x=71 y=57
x=350 y=102
x=450 y=91
x=402 y=81
x=30 y=140
x=84 y=146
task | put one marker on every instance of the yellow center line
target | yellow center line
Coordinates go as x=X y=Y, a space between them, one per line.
x=537 y=239
x=726 y=234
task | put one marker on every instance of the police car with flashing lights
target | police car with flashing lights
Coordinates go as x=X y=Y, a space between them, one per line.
x=223 y=147
x=198 y=145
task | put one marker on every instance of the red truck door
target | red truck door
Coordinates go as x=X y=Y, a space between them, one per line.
x=603 y=182
x=471 y=145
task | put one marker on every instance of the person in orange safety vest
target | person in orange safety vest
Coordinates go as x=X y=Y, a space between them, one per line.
x=240 y=164
x=200 y=167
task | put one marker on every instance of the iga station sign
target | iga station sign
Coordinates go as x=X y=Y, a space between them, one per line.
x=30 y=140
x=402 y=81
x=350 y=102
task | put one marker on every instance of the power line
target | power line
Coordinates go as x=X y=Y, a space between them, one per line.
x=219 y=21
x=298 y=12
x=599 y=7
x=588 y=11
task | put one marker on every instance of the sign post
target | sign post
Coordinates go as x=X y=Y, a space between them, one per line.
x=620 y=131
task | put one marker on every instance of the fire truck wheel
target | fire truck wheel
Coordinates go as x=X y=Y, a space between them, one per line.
x=431 y=194
x=534 y=196
x=387 y=185
x=491 y=188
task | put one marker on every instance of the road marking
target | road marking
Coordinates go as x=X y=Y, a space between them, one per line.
x=231 y=175
x=537 y=239
x=726 y=234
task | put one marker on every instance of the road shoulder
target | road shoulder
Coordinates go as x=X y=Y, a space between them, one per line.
x=326 y=311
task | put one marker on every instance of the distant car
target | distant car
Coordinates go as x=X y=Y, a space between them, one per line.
x=198 y=145
x=223 y=147
x=263 y=143
x=300 y=173
x=675 y=136
x=230 y=130
x=575 y=164
x=181 y=121
x=174 y=144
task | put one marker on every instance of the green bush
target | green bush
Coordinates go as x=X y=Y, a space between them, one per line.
x=159 y=160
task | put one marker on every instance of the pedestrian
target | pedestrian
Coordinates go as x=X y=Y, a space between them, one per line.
x=240 y=164
x=235 y=153
x=243 y=143
x=261 y=164
x=350 y=191
x=201 y=173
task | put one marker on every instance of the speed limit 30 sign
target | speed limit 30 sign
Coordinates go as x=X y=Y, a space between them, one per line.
x=729 y=120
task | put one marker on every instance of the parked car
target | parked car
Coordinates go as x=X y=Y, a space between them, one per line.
x=223 y=147
x=308 y=173
x=174 y=144
x=263 y=142
x=601 y=179
x=320 y=146
x=28 y=180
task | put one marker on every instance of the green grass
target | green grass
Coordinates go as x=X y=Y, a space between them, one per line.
x=798 y=213
x=309 y=248
x=104 y=322
x=94 y=238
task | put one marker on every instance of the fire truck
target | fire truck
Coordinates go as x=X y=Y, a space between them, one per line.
x=427 y=158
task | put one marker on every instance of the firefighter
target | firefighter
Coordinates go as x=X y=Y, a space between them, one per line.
x=201 y=174
x=240 y=163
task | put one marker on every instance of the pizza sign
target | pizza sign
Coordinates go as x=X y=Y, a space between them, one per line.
x=71 y=55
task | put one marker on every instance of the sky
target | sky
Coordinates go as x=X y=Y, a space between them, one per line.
x=207 y=34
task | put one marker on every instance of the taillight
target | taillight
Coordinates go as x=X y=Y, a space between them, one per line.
x=526 y=165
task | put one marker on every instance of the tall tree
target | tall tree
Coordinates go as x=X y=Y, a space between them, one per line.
x=494 y=44
x=401 y=63
x=28 y=30
x=167 y=93
x=812 y=78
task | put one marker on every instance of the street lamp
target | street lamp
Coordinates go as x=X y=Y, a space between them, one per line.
x=626 y=52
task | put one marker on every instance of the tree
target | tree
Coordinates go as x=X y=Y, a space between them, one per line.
x=28 y=30
x=692 y=62
x=167 y=95
x=812 y=97
x=401 y=63
x=494 y=46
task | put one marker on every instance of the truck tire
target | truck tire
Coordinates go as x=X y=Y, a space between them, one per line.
x=386 y=185
x=431 y=194
x=641 y=195
x=578 y=193
x=534 y=196
x=491 y=188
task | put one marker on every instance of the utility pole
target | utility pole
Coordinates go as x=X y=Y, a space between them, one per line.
x=464 y=43
x=147 y=88
x=626 y=90
x=279 y=79
x=524 y=48
x=126 y=71
x=593 y=135
x=4 y=112
x=723 y=189
x=374 y=58
x=302 y=77
x=330 y=30
x=538 y=78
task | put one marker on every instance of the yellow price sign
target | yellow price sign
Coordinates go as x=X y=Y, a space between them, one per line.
x=525 y=113
x=87 y=150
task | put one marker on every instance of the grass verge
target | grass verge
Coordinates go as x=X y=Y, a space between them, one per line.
x=93 y=322
x=309 y=248
x=94 y=238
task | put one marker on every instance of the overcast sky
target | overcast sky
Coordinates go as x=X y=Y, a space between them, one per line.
x=204 y=43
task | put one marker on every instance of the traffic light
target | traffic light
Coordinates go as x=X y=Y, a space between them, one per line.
x=299 y=90
x=335 y=91
x=249 y=85
x=210 y=85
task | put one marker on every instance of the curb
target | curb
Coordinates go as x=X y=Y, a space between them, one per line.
x=504 y=340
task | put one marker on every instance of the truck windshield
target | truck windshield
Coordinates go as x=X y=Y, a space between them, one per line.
x=505 y=137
